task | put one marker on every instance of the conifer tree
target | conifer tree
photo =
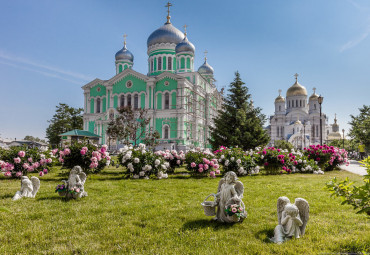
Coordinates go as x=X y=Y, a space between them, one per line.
x=239 y=123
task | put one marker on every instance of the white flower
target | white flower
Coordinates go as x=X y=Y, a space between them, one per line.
x=232 y=159
x=304 y=161
x=142 y=173
x=320 y=172
x=239 y=161
x=165 y=176
x=226 y=163
x=252 y=171
x=251 y=153
x=222 y=156
x=136 y=160
x=148 y=167
x=167 y=164
x=160 y=175
x=157 y=162
x=135 y=176
x=129 y=165
x=262 y=156
x=164 y=167
x=123 y=159
x=108 y=163
x=143 y=151
x=315 y=172
x=299 y=160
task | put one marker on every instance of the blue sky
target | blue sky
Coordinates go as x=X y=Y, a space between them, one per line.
x=49 y=49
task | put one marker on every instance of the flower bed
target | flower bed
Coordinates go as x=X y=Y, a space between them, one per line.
x=142 y=164
x=174 y=158
x=236 y=160
x=202 y=163
x=327 y=157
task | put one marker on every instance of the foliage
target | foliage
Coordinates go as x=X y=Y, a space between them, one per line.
x=19 y=161
x=131 y=126
x=234 y=210
x=360 y=126
x=239 y=123
x=357 y=196
x=35 y=139
x=327 y=157
x=140 y=163
x=174 y=158
x=236 y=160
x=65 y=119
x=86 y=155
x=202 y=163
x=283 y=145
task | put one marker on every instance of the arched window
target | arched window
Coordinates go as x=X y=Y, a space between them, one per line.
x=166 y=100
x=98 y=105
x=317 y=130
x=129 y=100
x=292 y=103
x=279 y=108
x=296 y=103
x=122 y=103
x=166 y=132
x=304 y=103
x=300 y=103
x=182 y=63
x=314 y=106
x=277 y=131
x=151 y=65
x=136 y=101
x=169 y=65
x=159 y=63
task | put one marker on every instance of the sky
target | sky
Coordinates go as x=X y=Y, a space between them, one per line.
x=50 y=49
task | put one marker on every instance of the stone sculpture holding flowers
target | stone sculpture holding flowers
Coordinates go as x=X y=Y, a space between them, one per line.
x=74 y=187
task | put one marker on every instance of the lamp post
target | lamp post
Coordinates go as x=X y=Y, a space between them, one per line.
x=343 y=137
x=301 y=139
x=320 y=99
x=304 y=134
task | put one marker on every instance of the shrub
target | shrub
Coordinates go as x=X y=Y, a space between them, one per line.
x=174 y=158
x=238 y=161
x=327 y=157
x=202 y=163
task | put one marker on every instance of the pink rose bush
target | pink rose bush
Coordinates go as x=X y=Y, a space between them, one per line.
x=143 y=164
x=202 y=163
x=174 y=158
x=19 y=161
x=91 y=158
x=236 y=160
x=327 y=157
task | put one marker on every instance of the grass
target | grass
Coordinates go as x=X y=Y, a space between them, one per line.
x=124 y=216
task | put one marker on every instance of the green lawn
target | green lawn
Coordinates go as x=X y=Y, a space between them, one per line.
x=127 y=216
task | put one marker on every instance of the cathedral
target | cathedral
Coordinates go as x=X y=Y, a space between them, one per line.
x=180 y=101
x=297 y=120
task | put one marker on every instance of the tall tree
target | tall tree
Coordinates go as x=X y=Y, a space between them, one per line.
x=35 y=139
x=239 y=123
x=65 y=119
x=360 y=126
x=131 y=126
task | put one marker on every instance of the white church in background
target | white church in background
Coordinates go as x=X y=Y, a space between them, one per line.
x=297 y=120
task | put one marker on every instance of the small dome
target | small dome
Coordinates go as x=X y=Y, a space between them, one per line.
x=124 y=54
x=280 y=99
x=298 y=122
x=314 y=97
x=205 y=68
x=334 y=136
x=165 y=34
x=296 y=90
x=185 y=46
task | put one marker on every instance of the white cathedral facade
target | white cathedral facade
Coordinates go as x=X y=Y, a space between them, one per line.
x=297 y=120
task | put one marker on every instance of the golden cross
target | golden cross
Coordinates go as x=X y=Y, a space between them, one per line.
x=314 y=90
x=168 y=5
x=124 y=39
x=280 y=92
x=185 y=26
x=205 y=54
x=296 y=76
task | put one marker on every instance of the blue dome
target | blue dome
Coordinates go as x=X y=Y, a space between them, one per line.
x=205 y=68
x=124 y=54
x=185 y=46
x=165 y=34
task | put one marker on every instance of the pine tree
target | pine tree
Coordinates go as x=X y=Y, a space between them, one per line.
x=239 y=123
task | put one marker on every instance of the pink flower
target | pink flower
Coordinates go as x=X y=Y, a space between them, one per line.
x=218 y=171
x=54 y=151
x=212 y=174
x=193 y=164
x=108 y=158
x=67 y=151
x=84 y=148
x=200 y=165
x=49 y=160
x=94 y=159
x=45 y=171
x=83 y=152
x=21 y=154
x=41 y=173
x=30 y=160
x=178 y=162
x=206 y=167
x=103 y=149
x=25 y=166
x=61 y=160
x=17 y=160
x=8 y=174
x=216 y=166
x=30 y=169
x=266 y=163
x=77 y=190
x=200 y=170
x=234 y=210
x=18 y=174
x=264 y=152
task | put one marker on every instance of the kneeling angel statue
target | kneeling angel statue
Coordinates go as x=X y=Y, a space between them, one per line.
x=292 y=219
x=29 y=187
x=75 y=183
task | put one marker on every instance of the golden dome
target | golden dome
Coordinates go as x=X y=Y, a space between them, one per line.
x=280 y=99
x=334 y=136
x=314 y=96
x=296 y=90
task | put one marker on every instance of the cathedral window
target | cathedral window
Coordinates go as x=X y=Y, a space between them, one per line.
x=182 y=63
x=314 y=106
x=98 y=105
x=122 y=104
x=159 y=63
x=300 y=103
x=296 y=103
x=136 y=101
x=317 y=130
x=129 y=100
x=166 y=132
x=166 y=100
x=152 y=65
x=277 y=131
x=292 y=103
x=279 y=108
x=169 y=65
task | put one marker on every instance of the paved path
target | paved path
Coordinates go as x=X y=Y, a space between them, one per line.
x=354 y=167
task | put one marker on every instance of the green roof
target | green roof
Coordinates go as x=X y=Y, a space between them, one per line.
x=77 y=132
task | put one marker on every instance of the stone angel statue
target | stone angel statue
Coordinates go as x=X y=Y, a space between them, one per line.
x=29 y=187
x=292 y=219
x=229 y=193
x=75 y=183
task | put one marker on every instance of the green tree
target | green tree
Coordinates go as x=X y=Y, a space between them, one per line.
x=65 y=119
x=34 y=139
x=238 y=123
x=360 y=126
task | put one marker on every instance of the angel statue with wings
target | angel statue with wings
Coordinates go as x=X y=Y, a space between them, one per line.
x=75 y=183
x=292 y=219
x=229 y=196
x=29 y=187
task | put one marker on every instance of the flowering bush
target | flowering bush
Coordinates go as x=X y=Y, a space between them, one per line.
x=88 y=156
x=63 y=191
x=327 y=157
x=19 y=161
x=174 y=158
x=237 y=160
x=141 y=163
x=202 y=163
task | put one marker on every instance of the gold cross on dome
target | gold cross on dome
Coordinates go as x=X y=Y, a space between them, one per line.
x=296 y=76
x=168 y=5
x=205 y=54
x=185 y=26
x=314 y=90
x=280 y=92
x=124 y=39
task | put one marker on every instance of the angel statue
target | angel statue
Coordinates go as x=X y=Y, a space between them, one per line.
x=75 y=183
x=292 y=219
x=230 y=207
x=29 y=187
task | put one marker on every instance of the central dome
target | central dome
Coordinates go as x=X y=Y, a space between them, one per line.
x=165 y=34
x=296 y=90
